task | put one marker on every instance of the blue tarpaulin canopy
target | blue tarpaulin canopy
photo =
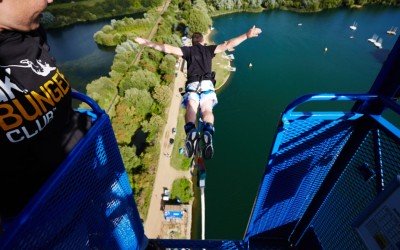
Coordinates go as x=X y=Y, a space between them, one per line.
x=173 y=214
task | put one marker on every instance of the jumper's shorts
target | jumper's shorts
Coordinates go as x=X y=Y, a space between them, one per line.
x=205 y=92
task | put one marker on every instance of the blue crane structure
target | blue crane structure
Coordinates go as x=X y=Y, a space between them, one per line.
x=327 y=174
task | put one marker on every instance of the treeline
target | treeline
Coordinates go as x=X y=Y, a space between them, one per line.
x=136 y=94
x=220 y=6
x=62 y=13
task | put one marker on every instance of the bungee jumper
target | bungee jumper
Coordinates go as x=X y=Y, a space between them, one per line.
x=199 y=90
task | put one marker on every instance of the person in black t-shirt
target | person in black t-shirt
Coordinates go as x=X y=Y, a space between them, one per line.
x=38 y=126
x=200 y=83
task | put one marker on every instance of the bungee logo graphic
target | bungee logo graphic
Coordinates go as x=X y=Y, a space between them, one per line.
x=25 y=117
x=39 y=68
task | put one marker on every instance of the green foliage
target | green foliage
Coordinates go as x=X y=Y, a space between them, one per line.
x=126 y=52
x=126 y=121
x=150 y=157
x=198 y=21
x=151 y=3
x=120 y=66
x=348 y=3
x=140 y=79
x=162 y=95
x=185 y=5
x=103 y=91
x=131 y=161
x=153 y=55
x=148 y=64
x=139 y=99
x=170 y=39
x=168 y=79
x=69 y=12
x=179 y=161
x=167 y=65
x=182 y=189
x=152 y=127
x=103 y=39
x=327 y=4
x=125 y=29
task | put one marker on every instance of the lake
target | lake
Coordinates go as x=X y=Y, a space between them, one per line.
x=289 y=60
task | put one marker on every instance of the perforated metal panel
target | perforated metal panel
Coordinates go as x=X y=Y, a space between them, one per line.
x=390 y=156
x=353 y=191
x=307 y=151
x=88 y=202
x=356 y=188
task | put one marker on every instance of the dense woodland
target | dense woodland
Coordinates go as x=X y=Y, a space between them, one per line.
x=136 y=92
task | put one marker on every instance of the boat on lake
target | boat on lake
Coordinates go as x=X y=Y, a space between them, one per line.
x=392 y=31
x=354 y=26
x=378 y=43
x=373 y=39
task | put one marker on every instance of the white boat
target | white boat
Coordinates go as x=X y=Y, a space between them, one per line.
x=299 y=24
x=392 y=31
x=250 y=65
x=373 y=39
x=232 y=69
x=354 y=26
x=378 y=43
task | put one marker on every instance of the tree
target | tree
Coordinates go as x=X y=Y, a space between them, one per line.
x=167 y=65
x=140 y=79
x=125 y=122
x=182 y=190
x=150 y=3
x=139 y=99
x=255 y=3
x=131 y=160
x=153 y=127
x=198 y=21
x=103 y=91
x=162 y=95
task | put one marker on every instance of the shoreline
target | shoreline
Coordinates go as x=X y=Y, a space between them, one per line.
x=208 y=40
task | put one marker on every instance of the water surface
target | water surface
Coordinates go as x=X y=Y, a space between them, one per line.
x=288 y=61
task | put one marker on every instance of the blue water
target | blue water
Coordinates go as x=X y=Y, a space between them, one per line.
x=288 y=61
x=78 y=56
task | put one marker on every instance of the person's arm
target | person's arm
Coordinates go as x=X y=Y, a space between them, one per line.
x=166 y=48
x=253 y=32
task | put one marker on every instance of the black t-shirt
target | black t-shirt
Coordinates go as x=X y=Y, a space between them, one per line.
x=38 y=126
x=198 y=58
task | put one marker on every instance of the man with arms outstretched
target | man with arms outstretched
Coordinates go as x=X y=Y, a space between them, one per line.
x=200 y=83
